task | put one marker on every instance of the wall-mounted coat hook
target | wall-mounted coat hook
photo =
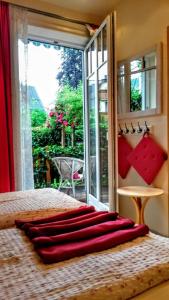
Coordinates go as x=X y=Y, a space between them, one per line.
x=139 y=130
x=132 y=128
x=120 y=130
x=126 y=131
x=147 y=129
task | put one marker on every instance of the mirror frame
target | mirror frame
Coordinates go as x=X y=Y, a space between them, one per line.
x=154 y=111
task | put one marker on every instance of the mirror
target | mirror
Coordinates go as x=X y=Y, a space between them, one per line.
x=139 y=84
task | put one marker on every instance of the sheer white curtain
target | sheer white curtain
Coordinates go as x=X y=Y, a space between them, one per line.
x=21 y=114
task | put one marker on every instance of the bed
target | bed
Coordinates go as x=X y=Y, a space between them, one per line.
x=33 y=203
x=118 y=273
x=138 y=269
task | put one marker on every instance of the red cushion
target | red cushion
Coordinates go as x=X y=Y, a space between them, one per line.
x=124 y=149
x=76 y=175
x=147 y=158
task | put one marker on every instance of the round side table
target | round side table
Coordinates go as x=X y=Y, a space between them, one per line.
x=140 y=196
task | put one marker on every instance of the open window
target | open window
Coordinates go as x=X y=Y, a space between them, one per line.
x=100 y=115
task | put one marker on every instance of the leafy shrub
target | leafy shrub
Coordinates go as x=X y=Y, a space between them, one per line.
x=79 y=134
x=42 y=137
x=55 y=150
x=38 y=117
x=135 y=101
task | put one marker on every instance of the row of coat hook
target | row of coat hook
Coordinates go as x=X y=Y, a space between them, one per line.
x=130 y=129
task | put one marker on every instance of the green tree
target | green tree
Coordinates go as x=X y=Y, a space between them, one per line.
x=71 y=67
x=38 y=117
x=69 y=107
x=69 y=111
x=72 y=102
x=135 y=100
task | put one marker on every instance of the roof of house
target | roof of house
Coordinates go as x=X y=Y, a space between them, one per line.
x=34 y=99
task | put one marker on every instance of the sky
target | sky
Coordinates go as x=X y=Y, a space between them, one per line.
x=43 y=66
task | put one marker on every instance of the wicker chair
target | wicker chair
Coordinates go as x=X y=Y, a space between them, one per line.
x=71 y=171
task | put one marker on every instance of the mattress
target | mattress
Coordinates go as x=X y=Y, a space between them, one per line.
x=33 y=204
x=118 y=273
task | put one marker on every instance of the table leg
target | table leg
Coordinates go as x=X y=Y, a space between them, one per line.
x=139 y=206
x=144 y=202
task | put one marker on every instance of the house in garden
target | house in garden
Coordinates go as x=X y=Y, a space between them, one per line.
x=34 y=99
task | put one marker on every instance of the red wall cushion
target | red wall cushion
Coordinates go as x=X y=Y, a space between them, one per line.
x=124 y=149
x=147 y=158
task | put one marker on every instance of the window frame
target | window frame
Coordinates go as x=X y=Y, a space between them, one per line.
x=147 y=112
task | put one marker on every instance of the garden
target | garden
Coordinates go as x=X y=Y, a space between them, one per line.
x=59 y=131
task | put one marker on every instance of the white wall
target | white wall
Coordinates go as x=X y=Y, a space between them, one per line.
x=141 y=25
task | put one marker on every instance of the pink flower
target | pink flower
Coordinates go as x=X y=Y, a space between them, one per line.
x=65 y=123
x=60 y=118
x=51 y=114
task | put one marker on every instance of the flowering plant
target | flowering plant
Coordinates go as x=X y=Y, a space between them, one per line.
x=59 y=118
x=68 y=111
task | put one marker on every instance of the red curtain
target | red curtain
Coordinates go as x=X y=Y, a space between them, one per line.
x=6 y=136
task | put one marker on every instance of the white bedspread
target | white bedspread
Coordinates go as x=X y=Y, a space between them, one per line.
x=33 y=204
x=118 y=273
